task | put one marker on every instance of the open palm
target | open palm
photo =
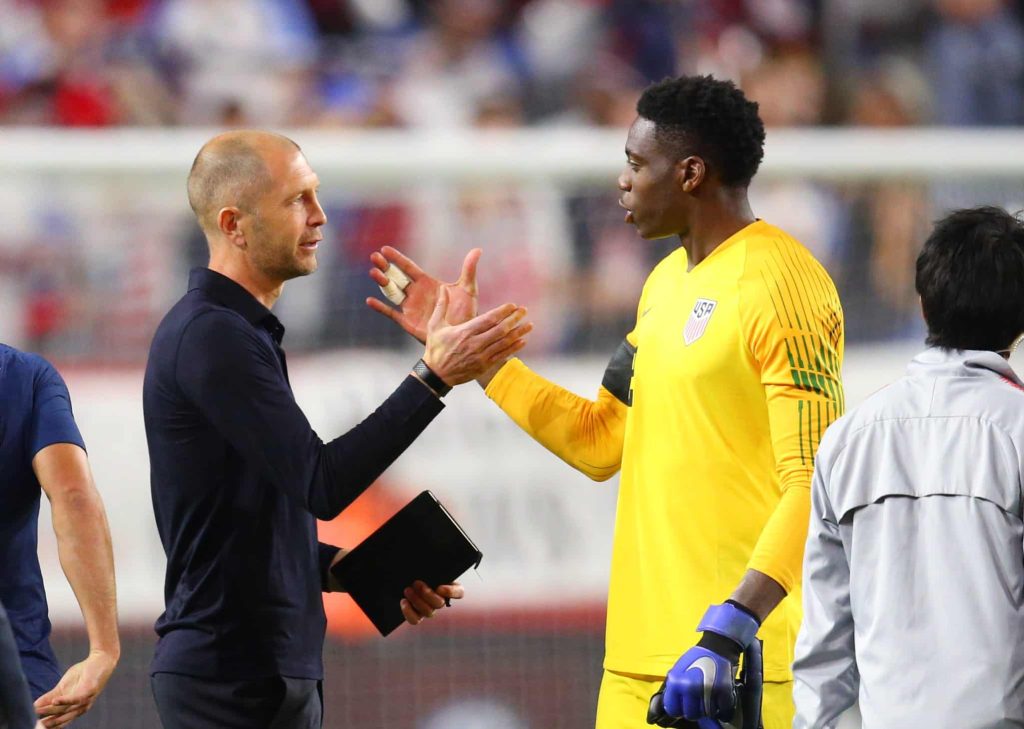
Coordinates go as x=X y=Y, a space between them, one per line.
x=76 y=692
x=421 y=293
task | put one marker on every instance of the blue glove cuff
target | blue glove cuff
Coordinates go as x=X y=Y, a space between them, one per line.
x=731 y=622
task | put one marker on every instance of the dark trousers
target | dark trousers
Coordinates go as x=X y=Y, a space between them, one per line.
x=187 y=702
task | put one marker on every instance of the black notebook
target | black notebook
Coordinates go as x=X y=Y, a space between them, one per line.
x=421 y=542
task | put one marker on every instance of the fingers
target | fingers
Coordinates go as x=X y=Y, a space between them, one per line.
x=440 y=309
x=411 y=616
x=509 y=345
x=50 y=709
x=467 y=279
x=59 y=714
x=379 y=277
x=56 y=706
x=454 y=591
x=489 y=320
x=421 y=602
x=62 y=720
x=501 y=330
x=399 y=259
x=391 y=281
x=398 y=317
x=379 y=261
x=381 y=308
x=45 y=700
x=424 y=600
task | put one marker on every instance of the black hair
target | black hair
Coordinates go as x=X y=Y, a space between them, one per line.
x=970 y=275
x=710 y=118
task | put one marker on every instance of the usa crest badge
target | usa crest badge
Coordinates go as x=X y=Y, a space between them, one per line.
x=698 y=321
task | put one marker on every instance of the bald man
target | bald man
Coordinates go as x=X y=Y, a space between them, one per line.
x=239 y=478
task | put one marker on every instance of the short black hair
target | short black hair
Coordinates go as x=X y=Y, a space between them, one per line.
x=710 y=118
x=970 y=275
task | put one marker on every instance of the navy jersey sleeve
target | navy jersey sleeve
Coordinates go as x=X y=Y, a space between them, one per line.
x=233 y=378
x=52 y=418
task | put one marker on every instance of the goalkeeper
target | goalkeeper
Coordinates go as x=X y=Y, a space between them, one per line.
x=712 y=407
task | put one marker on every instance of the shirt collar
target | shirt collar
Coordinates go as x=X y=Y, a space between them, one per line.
x=234 y=296
x=963 y=362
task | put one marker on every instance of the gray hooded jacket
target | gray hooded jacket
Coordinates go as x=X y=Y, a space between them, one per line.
x=913 y=582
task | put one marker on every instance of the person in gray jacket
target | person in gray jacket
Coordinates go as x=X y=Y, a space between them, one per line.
x=913 y=584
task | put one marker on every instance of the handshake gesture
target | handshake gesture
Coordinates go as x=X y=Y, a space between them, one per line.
x=460 y=345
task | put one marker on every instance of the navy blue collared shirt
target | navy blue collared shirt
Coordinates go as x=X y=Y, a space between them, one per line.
x=35 y=412
x=239 y=478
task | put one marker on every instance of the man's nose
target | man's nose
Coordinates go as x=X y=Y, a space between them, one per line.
x=319 y=217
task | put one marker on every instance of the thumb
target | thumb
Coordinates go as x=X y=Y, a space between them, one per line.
x=468 y=277
x=440 y=309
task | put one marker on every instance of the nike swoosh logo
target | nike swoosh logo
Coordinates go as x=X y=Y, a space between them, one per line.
x=644 y=312
x=709 y=671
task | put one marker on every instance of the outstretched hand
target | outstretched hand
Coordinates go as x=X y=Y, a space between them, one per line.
x=414 y=313
x=459 y=353
x=76 y=692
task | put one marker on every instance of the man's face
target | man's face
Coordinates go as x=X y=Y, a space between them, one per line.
x=283 y=232
x=651 y=185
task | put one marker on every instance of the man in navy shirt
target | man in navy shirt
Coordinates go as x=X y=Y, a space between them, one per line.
x=41 y=448
x=239 y=477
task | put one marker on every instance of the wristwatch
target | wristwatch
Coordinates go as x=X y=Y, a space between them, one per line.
x=430 y=379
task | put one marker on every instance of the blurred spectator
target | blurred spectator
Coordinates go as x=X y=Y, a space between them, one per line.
x=975 y=56
x=522 y=230
x=70 y=63
x=643 y=34
x=609 y=261
x=355 y=230
x=455 y=63
x=886 y=220
x=789 y=87
x=237 y=61
x=560 y=39
x=428 y=63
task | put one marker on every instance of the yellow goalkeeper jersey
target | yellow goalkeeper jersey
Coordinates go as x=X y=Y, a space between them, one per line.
x=735 y=378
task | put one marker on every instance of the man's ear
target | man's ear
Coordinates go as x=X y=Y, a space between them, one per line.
x=691 y=172
x=229 y=224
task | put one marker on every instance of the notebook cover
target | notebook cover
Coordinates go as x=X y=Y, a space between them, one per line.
x=421 y=542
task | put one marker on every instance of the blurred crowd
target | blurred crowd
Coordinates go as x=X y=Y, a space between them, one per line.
x=452 y=63
x=506 y=63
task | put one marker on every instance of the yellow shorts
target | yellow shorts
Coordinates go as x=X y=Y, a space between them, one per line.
x=623 y=701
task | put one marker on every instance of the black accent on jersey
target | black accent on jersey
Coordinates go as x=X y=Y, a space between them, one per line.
x=619 y=372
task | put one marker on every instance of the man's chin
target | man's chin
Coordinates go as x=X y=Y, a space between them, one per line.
x=648 y=234
x=298 y=270
x=306 y=265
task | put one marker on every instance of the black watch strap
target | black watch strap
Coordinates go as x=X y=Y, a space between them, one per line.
x=431 y=380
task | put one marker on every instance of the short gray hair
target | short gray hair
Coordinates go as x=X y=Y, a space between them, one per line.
x=228 y=171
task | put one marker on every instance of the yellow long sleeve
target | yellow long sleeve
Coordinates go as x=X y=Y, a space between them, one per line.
x=795 y=333
x=586 y=434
